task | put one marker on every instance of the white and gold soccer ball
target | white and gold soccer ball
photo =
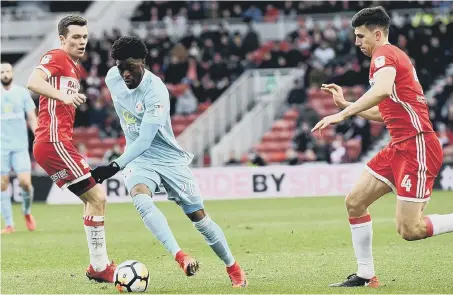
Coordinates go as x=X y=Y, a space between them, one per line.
x=131 y=276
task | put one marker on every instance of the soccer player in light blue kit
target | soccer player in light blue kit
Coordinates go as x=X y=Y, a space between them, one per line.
x=16 y=102
x=152 y=156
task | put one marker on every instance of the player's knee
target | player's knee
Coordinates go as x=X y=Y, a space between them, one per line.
x=409 y=232
x=140 y=189
x=99 y=201
x=25 y=184
x=354 y=205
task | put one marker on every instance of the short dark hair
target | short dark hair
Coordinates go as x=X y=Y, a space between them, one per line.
x=129 y=47
x=372 y=17
x=69 y=20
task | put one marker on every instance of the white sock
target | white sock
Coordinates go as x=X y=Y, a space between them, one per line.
x=439 y=224
x=94 y=229
x=362 y=239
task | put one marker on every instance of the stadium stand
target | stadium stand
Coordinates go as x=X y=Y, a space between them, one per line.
x=199 y=66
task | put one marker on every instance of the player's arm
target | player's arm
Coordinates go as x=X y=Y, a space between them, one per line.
x=146 y=135
x=156 y=108
x=50 y=66
x=30 y=110
x=38 y=83
x=337 y=93
x=32 y=120
x=381 y=89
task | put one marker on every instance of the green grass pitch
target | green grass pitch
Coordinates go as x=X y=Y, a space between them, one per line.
x=293 y=245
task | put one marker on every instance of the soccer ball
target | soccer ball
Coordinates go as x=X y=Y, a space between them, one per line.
x=131 y=276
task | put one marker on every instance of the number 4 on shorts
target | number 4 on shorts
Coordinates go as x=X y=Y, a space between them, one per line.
x=406 y=183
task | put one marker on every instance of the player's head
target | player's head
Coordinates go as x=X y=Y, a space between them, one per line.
x=371 y=28
x=7 y=74
x=73 y=33
x=130 y=54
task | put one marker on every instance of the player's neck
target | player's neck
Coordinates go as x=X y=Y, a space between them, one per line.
x=75 y=60
x=8 y=87
x=379 y=44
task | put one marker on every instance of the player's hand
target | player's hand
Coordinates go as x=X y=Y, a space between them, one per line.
x=74 y=99
x=102 y=173
x=327 y=121
x=337 y=94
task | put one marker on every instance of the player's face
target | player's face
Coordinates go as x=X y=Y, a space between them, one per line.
x=131 y=70
x=7 y=74
x=365 y=39
x=75 y=41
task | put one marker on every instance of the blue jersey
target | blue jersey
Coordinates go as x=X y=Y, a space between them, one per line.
x=16 y=101
x=150 y=103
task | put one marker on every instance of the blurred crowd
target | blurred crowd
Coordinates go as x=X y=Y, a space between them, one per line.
x=202 y=63
x=258 y=11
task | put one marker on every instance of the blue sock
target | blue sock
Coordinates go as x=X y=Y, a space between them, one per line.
x=7 y=210
x=27 y=198
x=156 y=222
x=215 y=238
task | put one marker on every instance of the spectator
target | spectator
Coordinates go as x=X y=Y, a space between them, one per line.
x=233 y=161
x=253 y=13
x=255 y=159
x=291 y=157
x=297 y=94
x=338 y=154
x=113 y=153
x=303 y=141
x=98 y=114
x=324 y=53
x=186 y=103
x=251 y=41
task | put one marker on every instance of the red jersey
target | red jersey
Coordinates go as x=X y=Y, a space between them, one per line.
x=55 y=119
x=405 y=112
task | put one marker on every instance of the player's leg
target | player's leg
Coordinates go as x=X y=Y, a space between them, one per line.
x=142 y=183
x=182 y=188
x=101 y=268
x=7 y=210
x=68 y=169
x=22 y=165
x=417 y=171
x=375 y=182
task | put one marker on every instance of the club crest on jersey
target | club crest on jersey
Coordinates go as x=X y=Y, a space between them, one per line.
x=139 y=108
x=379 y=61
x=46 y=59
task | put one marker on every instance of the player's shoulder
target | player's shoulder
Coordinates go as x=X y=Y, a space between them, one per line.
x=113 y=76
x=54 y=54
x=153 y=84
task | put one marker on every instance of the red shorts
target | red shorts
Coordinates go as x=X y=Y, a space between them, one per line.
x=409 y=167
x=62 y=163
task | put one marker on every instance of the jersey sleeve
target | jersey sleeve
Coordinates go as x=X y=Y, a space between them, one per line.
x=29 y=104
x=51 y=63
x=384 y=58
x=157 y=104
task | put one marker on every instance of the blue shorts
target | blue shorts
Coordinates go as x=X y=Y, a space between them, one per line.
x=178 y=181
x=18 y=160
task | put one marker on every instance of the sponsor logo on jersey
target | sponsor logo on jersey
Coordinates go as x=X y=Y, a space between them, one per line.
x=129 y=123
x=379 y=61
x=129 y=118
x=62 y=174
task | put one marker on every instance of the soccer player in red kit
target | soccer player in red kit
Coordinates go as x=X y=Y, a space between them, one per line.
x=56 y=79
x=410 y=162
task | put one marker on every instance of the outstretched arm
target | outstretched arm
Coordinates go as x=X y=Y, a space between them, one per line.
x=338 y=97
x=147 y=133
x=382 y=89
x=378 y=92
